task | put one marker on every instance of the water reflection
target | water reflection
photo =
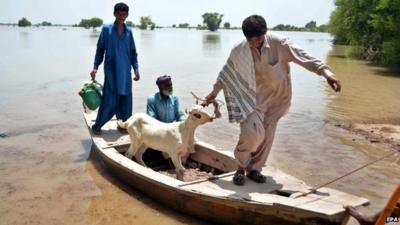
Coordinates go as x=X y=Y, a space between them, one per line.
x=366 y=96
x=211 y=42
x=25 y=37
x=124 y=205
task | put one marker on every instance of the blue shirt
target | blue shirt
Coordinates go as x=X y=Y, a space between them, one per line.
x=164 y=110
x=120 y=55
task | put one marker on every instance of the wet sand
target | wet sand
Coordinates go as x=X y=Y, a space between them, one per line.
x=47 y=176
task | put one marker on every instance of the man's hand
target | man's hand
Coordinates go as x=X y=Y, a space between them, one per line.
x=210 y=97
x=334 y=83
x=93 y=74
x=137 y=76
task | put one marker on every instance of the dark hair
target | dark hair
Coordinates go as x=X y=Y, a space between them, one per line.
x=163 y=80
x=121 y=7
x=254 y=26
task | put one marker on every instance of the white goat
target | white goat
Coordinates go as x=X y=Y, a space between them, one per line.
x=176 y=139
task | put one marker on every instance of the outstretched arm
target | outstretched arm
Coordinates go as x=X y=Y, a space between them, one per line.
x=294 y=53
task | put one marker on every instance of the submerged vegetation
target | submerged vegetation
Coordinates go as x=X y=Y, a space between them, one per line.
x=371 y=27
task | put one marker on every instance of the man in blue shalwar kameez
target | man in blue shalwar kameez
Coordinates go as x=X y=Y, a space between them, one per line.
x=117 y=44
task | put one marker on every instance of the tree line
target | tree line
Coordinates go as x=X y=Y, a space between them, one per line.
x=372 y=27
x=310 y=27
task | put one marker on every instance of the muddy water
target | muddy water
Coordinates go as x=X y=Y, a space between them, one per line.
x=48 y=176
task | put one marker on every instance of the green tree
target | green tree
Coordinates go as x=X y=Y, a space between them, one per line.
x=93 y=22
x=287 y=27
x=45 y=23
x=146 y=22
x=370 y=26
x=24 y=22
x=130 y=24
x=212 y=20
x=322 y=28
x=201 y=27
x=311 y=26
x=183 y=25
x=227 y=25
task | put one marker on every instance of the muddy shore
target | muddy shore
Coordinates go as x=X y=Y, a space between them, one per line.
x=381 y=134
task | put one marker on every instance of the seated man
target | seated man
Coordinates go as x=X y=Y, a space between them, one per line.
x=164 y=106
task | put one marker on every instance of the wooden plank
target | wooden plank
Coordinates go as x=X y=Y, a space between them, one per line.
x=208 y=179
x=207 y=155
x=113 y=145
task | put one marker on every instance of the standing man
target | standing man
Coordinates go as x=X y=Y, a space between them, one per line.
x=257 y=88
x=117 y=44
x=164 y=106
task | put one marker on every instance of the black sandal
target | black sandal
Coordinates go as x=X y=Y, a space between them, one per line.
x=256 y=176
x=239 y=178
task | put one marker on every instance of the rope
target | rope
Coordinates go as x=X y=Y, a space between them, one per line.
x=217 y=105
x=219 y=102
x=313 y=190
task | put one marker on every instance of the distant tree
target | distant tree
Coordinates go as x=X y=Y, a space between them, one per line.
x=96 y=22
x=130 y=24
x=173 y=25
x=323 y=28
x=93 y=22
x=183 y=25
x=24 y=22
x=287 y=27
x=146 y=22
x=212 y=20
x=311 y=26
x=227 y=25
x=200 y=27
x=45 y=23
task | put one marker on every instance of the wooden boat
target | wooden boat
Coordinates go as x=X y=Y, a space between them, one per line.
x=216 y=198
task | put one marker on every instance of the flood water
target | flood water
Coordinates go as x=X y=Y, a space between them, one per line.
x=47 y=176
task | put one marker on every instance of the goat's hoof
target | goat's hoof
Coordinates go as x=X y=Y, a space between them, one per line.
x=179 y=175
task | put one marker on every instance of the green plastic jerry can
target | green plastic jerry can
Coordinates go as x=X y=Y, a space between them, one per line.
x=91 y=94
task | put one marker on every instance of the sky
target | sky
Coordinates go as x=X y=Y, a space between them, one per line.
x=168 y=12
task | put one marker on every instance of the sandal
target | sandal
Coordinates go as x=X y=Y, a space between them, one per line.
x=239 y=178
x=256 y=176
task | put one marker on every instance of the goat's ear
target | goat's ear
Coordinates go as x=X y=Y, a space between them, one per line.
x=198 y=116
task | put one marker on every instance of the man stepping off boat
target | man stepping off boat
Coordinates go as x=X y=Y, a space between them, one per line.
x=257 y=88
x=117 y=44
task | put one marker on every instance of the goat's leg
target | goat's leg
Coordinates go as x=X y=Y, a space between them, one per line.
x=131 y=151
x=176 y=160
x=139 y=154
